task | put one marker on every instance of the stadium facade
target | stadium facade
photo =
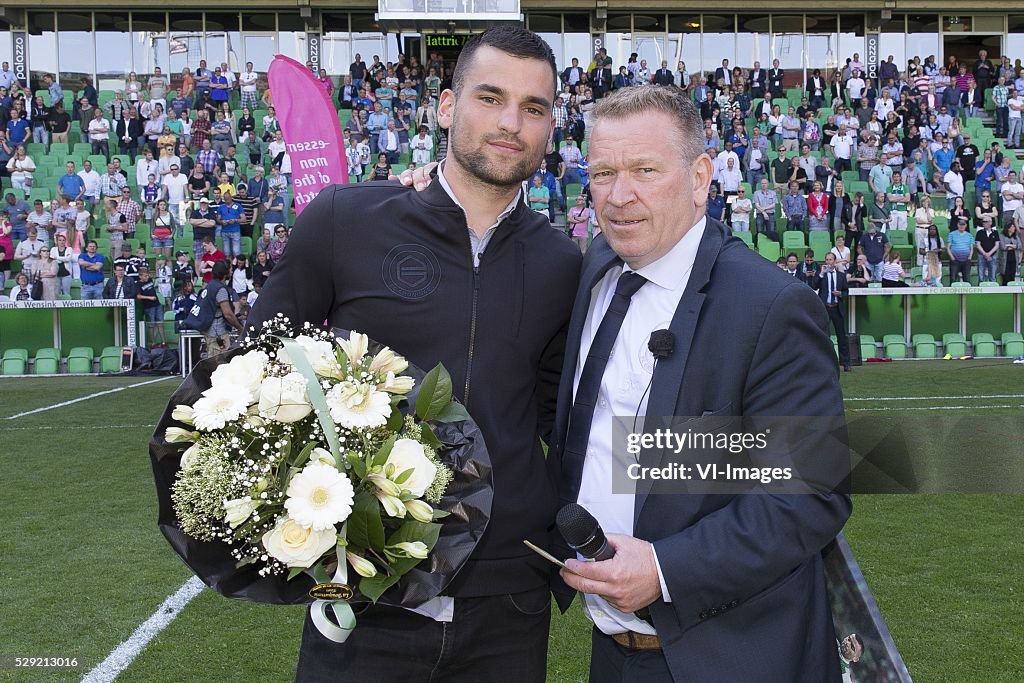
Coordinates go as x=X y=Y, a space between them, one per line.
x=106 y=44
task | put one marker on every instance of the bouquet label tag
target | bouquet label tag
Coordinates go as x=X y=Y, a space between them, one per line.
x=331 y=591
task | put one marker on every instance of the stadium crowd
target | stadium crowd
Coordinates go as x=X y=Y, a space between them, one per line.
x=138 y=192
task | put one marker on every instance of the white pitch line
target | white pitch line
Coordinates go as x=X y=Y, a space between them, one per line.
x=86 y=398
x=905 y=408
x=933 y=398
x=65 y=427
x=125 y=653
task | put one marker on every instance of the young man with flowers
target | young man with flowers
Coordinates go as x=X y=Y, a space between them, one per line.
x=394 y=264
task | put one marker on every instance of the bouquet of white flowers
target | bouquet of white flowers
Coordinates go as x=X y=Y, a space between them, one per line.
x=310 y=454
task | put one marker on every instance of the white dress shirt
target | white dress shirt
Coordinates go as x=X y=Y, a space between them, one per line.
x=623 y=392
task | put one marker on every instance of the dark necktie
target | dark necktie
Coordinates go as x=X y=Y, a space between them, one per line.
x=582 y=414
x=831 y=287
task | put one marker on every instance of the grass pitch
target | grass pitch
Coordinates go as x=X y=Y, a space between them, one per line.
x=84 y=564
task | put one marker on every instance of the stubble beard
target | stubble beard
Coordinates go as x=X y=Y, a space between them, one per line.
x=487 y=172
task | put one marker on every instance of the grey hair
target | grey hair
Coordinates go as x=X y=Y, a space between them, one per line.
x=670 y=100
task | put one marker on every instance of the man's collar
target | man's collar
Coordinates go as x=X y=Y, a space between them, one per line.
x=451 y=194
x=669 y=271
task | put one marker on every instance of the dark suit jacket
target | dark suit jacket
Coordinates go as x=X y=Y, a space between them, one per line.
x=744 y=572
x=720 y=74
x=762 y=79
x=775 y=81
x=664 y=77
x=845 y=213
x=820 y=286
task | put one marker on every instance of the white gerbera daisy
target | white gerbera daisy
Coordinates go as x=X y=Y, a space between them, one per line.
x=220 y=405
x=319 y=497
x=354 y=405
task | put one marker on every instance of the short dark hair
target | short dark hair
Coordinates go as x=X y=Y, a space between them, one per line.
x=221 y=270
x=510 y=39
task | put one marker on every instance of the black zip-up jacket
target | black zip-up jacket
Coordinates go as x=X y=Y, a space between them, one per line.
x=397 y=265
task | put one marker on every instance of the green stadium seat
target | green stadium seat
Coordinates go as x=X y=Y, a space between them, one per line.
x=793 y=239
x=984 y=345
x=14 y=362
x=59 y=149
x=877 y=285
x=110 y=359
x=47 y=362
x=954 y=344
x=99 y=163
x=1013 y=344
x=924 y=346
x=898 y=238
x=80 y=360
x=768 y=249
x=821 y=243
x=867 y=346
x=82 y=149
x=746 y=236
x=988 y=283
x=36 y=150
x=895 y=346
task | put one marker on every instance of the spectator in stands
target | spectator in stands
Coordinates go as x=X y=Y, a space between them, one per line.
x=91 y=180
x=182 y=270
x=1015 y=105
x=173 y=188
x=279 y=244
x=22 y=291
x=875 y=247
x=985 y=209
x=46 y=269
x=261 y=269
x=931 y=247
x=1012 y=193
x=742 y=207
x=716 y=204
x=899 y=198
x=1010 y=247
x=41 y=220
x=91 y=265
x=273 y=216
x=211 y=255
x=817 y=208
x=111 y=184
x=28 y=249
x=840 y=209
x=987 y=241
x=17 y=213
x=21 y=168
x=118 y=286
x=961 y=252
x=953 y=181
x=99 y=133
x=892 y=271
x=867 y=157
x=794 y=206
x=765 y=201
x=65 y=258
x=859 y=275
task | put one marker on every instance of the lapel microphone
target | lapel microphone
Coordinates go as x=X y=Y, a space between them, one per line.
x=661 y=345
x=583 y=533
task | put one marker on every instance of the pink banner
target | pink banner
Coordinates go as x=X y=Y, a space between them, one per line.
x=309 y=124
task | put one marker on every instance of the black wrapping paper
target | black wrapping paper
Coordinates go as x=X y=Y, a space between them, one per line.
x=467 y=499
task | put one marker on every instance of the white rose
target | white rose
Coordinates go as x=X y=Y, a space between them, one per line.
x=296 y=546
x=245 y=371
x=355 y=347
x=238 y=510
x=319 y=354
x=402 y=384
x=284 y=398
x=387 y=360
x=407 y=454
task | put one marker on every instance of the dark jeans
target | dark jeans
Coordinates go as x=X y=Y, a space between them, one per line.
x=959 y=268
x=1002 y=121
x=497 y=638
x=835 y=315
x=612 y=663
x=101 y=147
x=129 y=148
x=842 y=165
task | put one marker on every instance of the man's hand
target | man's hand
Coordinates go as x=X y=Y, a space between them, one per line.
x=418 y=179
x=629 y=581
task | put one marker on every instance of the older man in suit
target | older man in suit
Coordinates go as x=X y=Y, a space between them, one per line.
x=830 y=284
x=701 y=587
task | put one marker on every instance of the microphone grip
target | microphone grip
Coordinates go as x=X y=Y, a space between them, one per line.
x=605 y=552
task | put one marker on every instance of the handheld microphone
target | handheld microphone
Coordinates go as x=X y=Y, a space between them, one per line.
x=583 y=533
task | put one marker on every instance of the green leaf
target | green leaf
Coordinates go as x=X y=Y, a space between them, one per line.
x=435 y=393
x=453 y=412
x=440 y=514
x=304 y=455
x=375 y=586
x=394 y=419
x=358 y=466
x=286 y=448
x=428 y=437
x=295 y=571
x=365 y=528
x=384 y=452
x=404 y=476
x=412 y=530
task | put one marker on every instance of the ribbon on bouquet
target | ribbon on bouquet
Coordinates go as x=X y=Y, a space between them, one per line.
x=318 y=611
